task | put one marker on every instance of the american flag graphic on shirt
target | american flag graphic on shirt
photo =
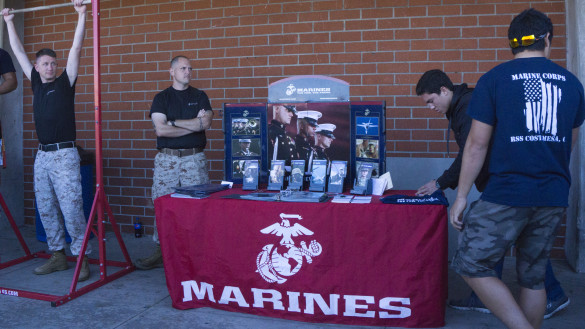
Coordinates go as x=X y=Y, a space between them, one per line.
x=542 y=100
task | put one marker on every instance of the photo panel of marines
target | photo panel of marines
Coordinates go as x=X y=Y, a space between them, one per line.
x=246 y=147
x=367 y=148
x=375 y=171
x=245 y=138
x=364 y=173
x=245 y=126
x=238 y=168
x=368 y=136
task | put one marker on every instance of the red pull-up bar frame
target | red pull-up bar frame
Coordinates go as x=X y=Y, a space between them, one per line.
x=99 y=203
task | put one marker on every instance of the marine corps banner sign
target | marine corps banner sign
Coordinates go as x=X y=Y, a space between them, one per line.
x=372 y=264
x=308 y=88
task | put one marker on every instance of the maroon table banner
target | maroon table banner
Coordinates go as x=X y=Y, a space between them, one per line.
x=360 y=264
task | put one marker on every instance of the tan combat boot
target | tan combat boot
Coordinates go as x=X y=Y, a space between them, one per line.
x=84 y=272
x=153 y=261
x=57 y=262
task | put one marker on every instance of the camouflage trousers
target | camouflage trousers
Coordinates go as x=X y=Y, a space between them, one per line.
x=491 y=229
x=57 y=184
x=172 y=171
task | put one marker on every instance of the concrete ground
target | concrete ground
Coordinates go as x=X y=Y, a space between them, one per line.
x=140 y=299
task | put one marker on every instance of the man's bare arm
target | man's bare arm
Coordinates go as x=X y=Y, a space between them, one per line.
x=9 y=84
x=200 y=123
x=75 y=52
x=474 y=154
x=163 y=128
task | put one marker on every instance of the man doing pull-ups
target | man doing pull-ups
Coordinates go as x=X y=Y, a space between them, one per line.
x=57 y=179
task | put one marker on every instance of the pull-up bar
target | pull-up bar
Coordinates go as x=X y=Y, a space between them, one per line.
x=25 y=10
x=99 y=207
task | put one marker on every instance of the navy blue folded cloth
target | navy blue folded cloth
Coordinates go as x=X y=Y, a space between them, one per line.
x=436 y=198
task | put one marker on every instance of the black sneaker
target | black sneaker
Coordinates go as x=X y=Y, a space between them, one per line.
x=469 y=304
x=554 y=306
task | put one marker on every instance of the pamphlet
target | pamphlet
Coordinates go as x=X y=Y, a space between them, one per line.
x=386 y=177
x=186 y=196
x=362 y=199
x=261 y=196
x=202 y=190
x=342 y=198
x=302 y=196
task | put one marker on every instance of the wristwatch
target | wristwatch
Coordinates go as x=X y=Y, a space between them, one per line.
x=437 y=184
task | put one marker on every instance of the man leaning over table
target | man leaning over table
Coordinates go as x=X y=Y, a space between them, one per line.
x=180 y=114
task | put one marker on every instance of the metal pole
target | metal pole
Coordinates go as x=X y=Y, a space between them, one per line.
x=2 y=27
x=100 y=190
x=25 y=10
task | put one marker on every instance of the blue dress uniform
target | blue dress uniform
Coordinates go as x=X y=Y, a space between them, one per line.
x=286 y=148
x=320 y=154
x=304 y=148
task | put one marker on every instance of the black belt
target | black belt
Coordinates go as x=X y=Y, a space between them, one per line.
x=181 y=152
x=56 y=146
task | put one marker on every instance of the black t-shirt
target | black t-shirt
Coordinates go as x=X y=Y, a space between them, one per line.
x=6 y=64
x=181 y=105
x=54 y=109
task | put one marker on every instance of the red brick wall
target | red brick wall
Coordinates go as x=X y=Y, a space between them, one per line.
x=381 y=47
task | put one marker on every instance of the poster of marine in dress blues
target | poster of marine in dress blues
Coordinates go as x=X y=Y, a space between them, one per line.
x=245 y=136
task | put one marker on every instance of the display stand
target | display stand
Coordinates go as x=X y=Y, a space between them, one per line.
x=363 y=181
x=250 y=175
x=318 y=176
x=96 y=221
x=337 y=174
x=276 y=177
x=295 y=180
x=244 y=121
x=318 y=108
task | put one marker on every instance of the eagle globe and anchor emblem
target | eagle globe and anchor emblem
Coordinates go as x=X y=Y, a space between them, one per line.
x=276 y=263
x=290 y=89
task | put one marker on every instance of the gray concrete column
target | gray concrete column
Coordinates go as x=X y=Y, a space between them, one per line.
x=12 y=178
x=575 y=234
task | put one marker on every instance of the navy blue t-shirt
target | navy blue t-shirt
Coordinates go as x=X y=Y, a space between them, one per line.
x=533 y=105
